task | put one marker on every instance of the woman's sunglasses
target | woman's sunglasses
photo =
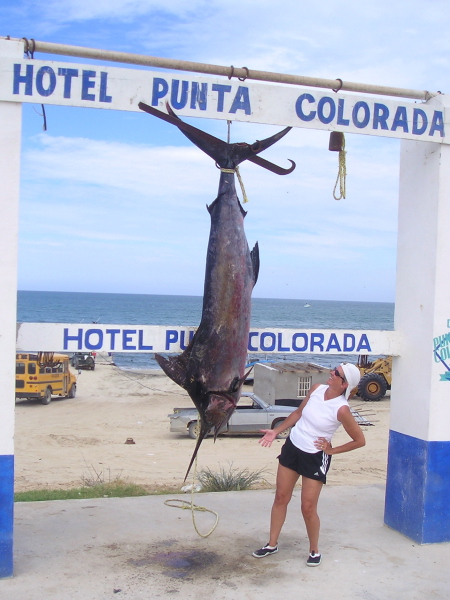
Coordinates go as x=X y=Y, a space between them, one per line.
x=336 y=372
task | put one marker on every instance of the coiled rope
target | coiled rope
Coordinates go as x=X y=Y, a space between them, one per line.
x=185 y=505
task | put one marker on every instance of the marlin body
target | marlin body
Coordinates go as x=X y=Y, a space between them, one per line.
x=212 y=368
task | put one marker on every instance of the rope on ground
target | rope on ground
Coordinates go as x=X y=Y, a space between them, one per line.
x=184 y=504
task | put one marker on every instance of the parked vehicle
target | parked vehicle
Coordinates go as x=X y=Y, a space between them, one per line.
x=289 y=402
x=376 y=378
x=83 y=360
x=44 y=375
x=251 y=415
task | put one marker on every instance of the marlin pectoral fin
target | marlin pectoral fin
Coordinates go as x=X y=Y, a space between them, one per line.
x=174 y=368
x=236 y=384
x=254 y=255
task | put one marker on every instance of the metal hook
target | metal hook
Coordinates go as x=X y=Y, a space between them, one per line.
x=262 y=162
x=240 y=78
x=25 y=50
x=219 y=150
x=29 y=47
x=340 y=87
x=243 y=78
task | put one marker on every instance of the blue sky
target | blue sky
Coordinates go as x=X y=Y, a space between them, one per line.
x=117 y=200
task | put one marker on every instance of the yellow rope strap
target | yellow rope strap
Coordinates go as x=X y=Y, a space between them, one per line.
x=236 y=170
x=342 y=174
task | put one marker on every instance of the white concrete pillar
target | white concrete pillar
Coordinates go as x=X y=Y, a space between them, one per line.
x=10 y=139
x=418 y=477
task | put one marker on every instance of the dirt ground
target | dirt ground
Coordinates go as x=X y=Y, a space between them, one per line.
x=60 y=445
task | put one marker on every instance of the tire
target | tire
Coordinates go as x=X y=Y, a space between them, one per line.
x=72 y=391
x=48 y=396
x=90 y=364
x=284 y=434
x=194 y=429
x=372 y=387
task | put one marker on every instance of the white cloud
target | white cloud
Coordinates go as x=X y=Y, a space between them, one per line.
x=130 y=167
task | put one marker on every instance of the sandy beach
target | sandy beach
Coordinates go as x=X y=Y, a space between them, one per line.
x=58 y=445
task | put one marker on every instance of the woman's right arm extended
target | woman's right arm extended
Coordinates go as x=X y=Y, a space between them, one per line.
x=290 y=421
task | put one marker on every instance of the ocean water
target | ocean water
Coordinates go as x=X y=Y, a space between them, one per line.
x=146 y=309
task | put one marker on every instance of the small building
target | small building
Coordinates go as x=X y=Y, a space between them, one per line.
x=273 y=381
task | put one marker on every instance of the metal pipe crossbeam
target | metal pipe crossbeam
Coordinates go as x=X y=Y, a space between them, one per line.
x=242 y=73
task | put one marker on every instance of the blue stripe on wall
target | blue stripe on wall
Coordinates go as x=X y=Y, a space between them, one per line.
x=418 y=488
x=6 y=515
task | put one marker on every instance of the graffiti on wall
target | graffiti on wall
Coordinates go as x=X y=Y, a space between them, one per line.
x=441 y=351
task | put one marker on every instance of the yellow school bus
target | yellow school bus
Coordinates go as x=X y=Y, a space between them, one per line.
x=43 y=375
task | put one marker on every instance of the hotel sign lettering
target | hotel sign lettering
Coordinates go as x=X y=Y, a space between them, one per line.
x=86 y=85
x=61 y=337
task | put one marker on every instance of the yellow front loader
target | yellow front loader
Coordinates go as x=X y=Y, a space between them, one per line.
x=376 y=378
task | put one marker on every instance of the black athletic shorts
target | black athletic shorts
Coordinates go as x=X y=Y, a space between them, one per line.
x=313 y=466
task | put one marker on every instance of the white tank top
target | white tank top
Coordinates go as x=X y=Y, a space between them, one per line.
x=319 y=419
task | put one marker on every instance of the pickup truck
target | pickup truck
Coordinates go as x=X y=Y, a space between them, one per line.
x=83 y=360
x=251 y=414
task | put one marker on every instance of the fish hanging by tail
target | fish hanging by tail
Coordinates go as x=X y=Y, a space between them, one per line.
x=212 y=368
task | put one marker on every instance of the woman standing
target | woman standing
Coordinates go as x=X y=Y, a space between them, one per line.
x=308 y=450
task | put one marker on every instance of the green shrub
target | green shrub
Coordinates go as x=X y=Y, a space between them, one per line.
x=229 y=480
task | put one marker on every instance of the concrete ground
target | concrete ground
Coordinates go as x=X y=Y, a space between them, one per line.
x=135 y=548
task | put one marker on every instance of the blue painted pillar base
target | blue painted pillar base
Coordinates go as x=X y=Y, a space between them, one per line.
x=417 y=488
x=6 y=515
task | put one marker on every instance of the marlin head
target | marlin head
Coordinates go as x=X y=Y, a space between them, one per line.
x=219 y=408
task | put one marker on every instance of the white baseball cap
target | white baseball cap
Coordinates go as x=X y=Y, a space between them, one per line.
x=352 y=375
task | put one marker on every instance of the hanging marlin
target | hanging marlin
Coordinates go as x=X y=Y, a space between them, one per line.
x=212 y=368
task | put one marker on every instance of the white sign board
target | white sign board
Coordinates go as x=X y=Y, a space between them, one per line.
x=64 y=337
x=93 y=86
